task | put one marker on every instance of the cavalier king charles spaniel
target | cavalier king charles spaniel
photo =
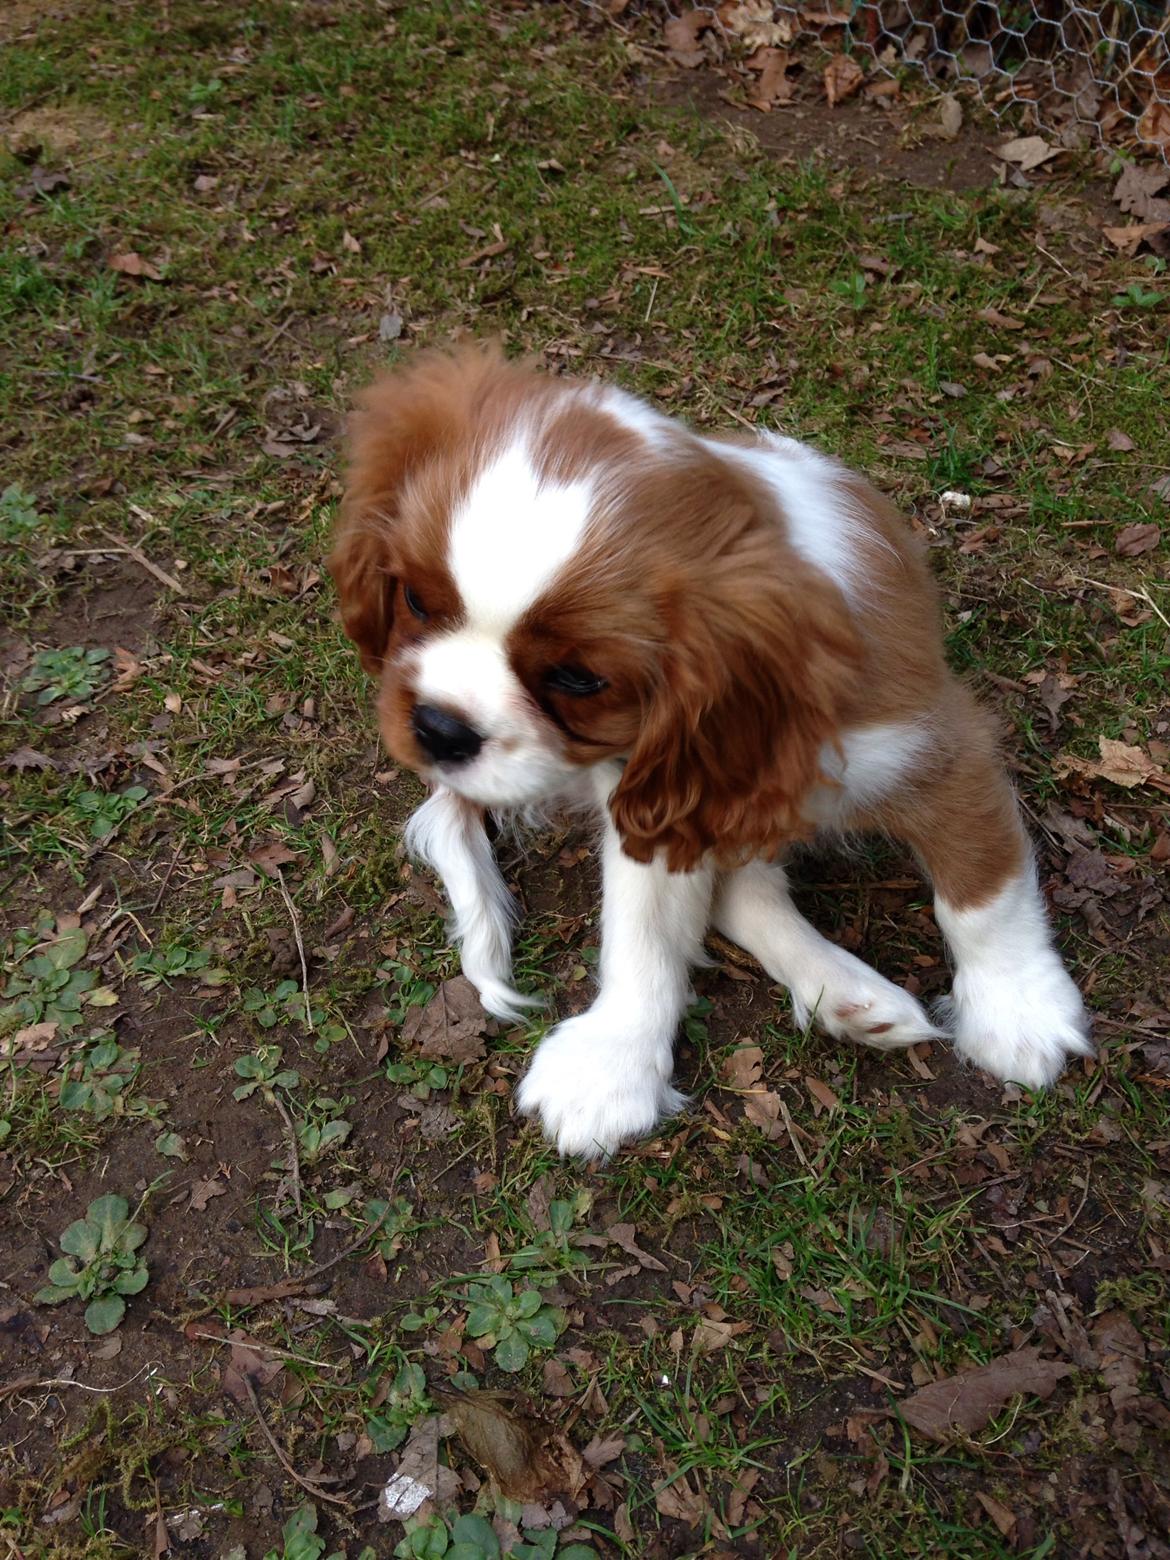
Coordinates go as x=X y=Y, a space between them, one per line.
x=720 y=645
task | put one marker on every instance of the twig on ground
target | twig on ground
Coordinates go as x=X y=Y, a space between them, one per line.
x=142 y=560
x=51 y=1383
x=158 y=898
x=314 y=1490
x=354 y=1245
x=791 y=1126
x=259 y=1345
x=296 y=926
x=294 y=1158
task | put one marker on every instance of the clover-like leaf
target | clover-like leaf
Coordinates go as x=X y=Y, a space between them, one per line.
x=477 y=1533
x=109 y=1213
x=65 y=950
x=132 y=1283
x=512 y=1353
x=54 y=1294
x=82 y=1239
x=540 y=1329
x=103 y=1314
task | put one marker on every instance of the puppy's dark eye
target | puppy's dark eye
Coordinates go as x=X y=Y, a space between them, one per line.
x=577 y=681
x=414 y=604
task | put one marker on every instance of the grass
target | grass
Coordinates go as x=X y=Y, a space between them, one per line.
x=303 y=182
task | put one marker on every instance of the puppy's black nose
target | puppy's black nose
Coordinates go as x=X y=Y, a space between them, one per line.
x=443 y=737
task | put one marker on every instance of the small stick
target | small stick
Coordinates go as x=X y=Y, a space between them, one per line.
x=141 y=559
x=296 y=926
x=51 y=1383
x=294 y=1160
x=158 y=898
x=269 y=1348
x=306 y=1484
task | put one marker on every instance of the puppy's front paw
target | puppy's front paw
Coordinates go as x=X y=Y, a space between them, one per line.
x=594 y=1088
x=1024 y=1025
x=853 y=1002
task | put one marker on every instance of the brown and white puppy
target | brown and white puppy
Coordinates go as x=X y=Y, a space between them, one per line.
x=722 y=646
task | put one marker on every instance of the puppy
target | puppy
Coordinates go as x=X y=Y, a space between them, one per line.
x=719 y=645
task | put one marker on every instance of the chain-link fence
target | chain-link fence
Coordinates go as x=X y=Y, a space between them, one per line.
x=1077 y=72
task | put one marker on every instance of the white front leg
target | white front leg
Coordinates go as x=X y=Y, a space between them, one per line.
x=447 y=833
x=602 y=1078
x=1014 y=1008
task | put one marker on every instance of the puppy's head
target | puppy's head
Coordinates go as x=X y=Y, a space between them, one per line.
x=545 y=574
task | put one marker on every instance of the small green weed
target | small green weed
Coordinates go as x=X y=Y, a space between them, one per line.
x=301 y=1541
x=262 y=1070
x=44 y=986
x=102 y=1266
x=75 y=673
x=510 y=1324
x=395 y=1406
x=103 y=1073
x=104 y=811
x=420 y=1077
x=1136 y=296
x=18 y=514
x=472 y=1537
x=392 y=1221
x=324 y=1129
x=286 y=1004
x=162 y=966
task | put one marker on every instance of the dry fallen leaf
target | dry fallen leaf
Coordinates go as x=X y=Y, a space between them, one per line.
x=450 y=1027
x=773 y=85
x=420 y=1476
x=963 y=1404
x=680 y=1501
x=527 y=1458
x=822 y=1094
x=950 y=117
x=1026 y=152
x=1117 y=440
x=37 y=1037
x=28 y=758
x=1138 y=192
x=622 y=1235
x=1001 y=321
x=744 y=1068
x=1133 y=540
x=711 y=1335
x=1154 y=125
x=271 y=857
x=755 y=23
x=204 y=1191
x=131 y=264
x=682 y=38
x=1130 y=238
x=250 y=1362
x=762 y=1109
x=843 y=77
x=1119 y=763
x=1004 y=1519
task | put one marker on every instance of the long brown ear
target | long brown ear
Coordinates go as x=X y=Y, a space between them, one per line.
x=401 y=425
x=763 y=663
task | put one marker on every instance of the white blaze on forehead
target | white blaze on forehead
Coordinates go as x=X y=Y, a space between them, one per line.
x=511 y=536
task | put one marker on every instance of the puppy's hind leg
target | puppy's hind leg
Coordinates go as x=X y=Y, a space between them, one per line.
x=448 y=834
x=1013 y=1008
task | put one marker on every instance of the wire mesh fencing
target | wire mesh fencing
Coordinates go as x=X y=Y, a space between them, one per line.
x=1076 y=72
